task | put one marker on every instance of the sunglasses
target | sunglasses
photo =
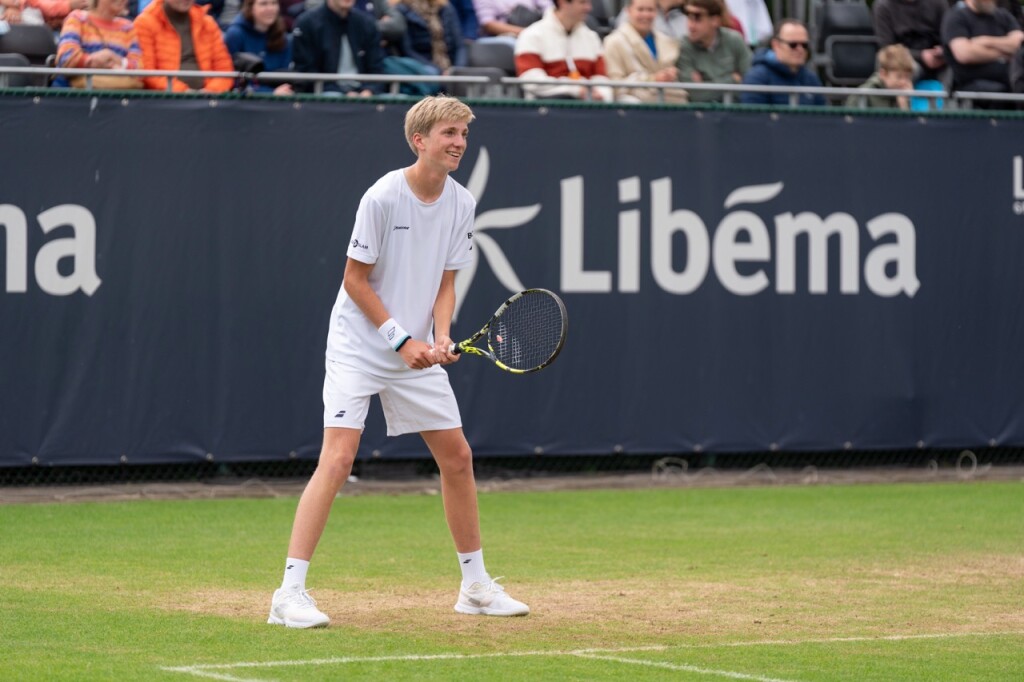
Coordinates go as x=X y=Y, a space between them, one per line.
x=795 y=44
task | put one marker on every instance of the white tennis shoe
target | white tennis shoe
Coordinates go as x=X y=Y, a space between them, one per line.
x=489 y=599
x=296 y=609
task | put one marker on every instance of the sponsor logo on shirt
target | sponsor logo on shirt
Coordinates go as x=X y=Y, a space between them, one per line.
x=401 y=227
x=359 y=245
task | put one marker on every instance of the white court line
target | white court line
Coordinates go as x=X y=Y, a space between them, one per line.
x=681 y=667
x=207 y=669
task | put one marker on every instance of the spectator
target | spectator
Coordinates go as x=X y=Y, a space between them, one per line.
x=784 y=63
x=177 y=35
x=432 y=36
x=260 y=30
x=334 y=38
x=670 y=18
x=560 y=47
x=508 y=17
x=637 y=52
x=895 y=72
x=980 y=40
x=917 y=25
x=100 y=38
x=710 y=53
x=390 y=22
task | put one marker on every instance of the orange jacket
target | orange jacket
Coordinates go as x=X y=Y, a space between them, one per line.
x=161 y=47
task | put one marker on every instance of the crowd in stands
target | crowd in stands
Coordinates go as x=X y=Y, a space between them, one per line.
x=970 y=45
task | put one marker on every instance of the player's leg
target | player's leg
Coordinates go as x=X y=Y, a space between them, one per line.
x=454 y=458
x=479 y=594
x=332 y=470
x=291 y=605
x=346 y=401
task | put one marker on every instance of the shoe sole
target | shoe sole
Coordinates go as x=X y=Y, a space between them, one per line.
x=274 y=620
x=484 y=611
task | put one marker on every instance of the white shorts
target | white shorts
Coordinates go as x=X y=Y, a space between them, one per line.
x=422 y=401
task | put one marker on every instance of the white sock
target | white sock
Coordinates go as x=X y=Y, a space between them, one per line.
x=473 y=571
x=295 y=574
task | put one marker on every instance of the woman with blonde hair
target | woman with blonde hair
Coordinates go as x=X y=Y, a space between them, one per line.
x=635 y=51
x=100 y=38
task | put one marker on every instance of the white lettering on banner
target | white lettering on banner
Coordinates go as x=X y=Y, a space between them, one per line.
x=80 y=248
x=574 y=277
x=1018 y=185
x=741 y=237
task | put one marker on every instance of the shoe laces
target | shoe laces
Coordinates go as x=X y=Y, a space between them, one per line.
x=494 y=586
x=301 y=598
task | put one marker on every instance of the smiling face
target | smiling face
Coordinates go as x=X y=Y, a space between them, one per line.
x=791 y=45
x=641 y=15
x=701 y=25
x=444 y=146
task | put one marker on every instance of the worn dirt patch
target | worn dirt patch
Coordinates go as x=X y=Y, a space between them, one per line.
x=873 y=601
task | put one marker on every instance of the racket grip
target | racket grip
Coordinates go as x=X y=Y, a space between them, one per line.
x=455 y=348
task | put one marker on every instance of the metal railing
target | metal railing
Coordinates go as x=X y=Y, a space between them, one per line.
x=512 y=87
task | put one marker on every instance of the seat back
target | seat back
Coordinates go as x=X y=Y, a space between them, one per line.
x=839 y=18
x=493 y=53
x=15 y=80
x=851 y=59
x=36 y=43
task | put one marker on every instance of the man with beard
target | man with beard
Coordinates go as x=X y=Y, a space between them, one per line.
x=980 y=39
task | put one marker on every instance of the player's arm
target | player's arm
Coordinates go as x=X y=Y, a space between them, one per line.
x=444 y=308
x=416 y=354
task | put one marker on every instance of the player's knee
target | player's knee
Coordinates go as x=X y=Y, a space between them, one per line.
x=459 y=461
x=335 y=466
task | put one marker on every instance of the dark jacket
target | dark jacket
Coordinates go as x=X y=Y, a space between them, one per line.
x=417 y=43
x=242 y=36
x=316 y=45
x=768 y=70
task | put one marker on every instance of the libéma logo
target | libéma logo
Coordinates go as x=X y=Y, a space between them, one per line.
x=79 y=249
x=739 y=252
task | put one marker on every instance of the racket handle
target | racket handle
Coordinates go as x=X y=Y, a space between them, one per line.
x=454 y=348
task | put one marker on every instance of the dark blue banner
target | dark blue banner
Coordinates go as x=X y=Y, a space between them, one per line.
x=734 y=280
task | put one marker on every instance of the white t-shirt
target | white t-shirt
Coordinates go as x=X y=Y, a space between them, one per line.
x=410 y=244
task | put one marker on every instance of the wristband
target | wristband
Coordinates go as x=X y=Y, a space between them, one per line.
x=393 y=333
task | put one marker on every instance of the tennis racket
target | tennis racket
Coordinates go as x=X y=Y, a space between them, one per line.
x=525 y=334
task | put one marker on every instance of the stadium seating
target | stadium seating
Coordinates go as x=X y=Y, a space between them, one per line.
x=843 y=40
x=15 y=80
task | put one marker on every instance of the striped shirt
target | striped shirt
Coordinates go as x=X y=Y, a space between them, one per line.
x=84 y=34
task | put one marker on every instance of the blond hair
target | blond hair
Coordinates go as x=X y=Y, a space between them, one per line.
x=896 y=58
x=429 y=111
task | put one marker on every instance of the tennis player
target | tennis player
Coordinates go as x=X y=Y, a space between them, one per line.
x=389 y=335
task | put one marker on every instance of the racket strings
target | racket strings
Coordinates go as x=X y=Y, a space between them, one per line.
x=528 y=332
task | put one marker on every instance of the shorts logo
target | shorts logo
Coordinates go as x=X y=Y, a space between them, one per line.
x=401 y=227
x=340 y=415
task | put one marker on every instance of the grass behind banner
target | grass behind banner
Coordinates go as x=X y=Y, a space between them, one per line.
x=764 y=582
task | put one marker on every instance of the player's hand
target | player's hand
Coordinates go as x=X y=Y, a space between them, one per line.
x=441 y=346
x=418 y=354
